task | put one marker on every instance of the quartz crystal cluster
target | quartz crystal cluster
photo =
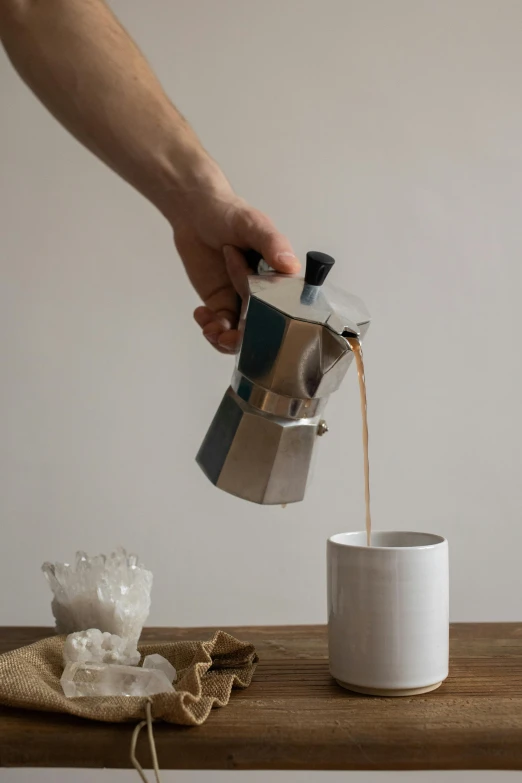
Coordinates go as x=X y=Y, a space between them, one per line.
x=111 y=593
x=102 y=604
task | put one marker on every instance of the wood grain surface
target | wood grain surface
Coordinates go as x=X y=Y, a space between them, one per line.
x=295 y=717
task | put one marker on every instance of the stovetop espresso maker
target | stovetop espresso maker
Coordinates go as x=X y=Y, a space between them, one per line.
x=294 y=353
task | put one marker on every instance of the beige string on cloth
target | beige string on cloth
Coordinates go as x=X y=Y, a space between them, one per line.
x=152 y=745
x=207 y=673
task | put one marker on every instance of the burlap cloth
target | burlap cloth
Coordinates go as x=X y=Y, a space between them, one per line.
x=207 y=672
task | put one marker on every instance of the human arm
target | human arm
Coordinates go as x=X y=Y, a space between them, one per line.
x=84 y=67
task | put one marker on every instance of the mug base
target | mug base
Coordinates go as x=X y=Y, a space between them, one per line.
x=388 y=692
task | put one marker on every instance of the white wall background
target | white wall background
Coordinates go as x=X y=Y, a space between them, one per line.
x=386 y=132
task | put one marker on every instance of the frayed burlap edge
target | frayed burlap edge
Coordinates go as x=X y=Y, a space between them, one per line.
x=207 y=673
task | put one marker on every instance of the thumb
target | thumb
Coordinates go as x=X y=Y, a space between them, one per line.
x=259 y=233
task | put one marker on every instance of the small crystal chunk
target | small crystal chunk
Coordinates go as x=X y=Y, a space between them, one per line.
x=159 y=663
x=93 y=646
x=102 y=679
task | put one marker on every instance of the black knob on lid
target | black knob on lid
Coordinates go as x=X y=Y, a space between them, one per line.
x=317 y=267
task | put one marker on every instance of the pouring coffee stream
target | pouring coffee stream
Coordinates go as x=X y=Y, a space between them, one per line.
x=299 y=338
x=356 y=347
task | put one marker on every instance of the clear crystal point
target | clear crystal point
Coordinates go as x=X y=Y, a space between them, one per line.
x=101 y=679
x=159 y=663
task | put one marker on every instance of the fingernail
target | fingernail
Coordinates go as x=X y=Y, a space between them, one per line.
x=223 y=343
x=287 y=258
x=212 y=334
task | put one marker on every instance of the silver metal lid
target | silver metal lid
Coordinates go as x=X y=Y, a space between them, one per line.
x=321 y=304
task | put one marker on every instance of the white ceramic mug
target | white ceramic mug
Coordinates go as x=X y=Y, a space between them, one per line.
x=388 y=612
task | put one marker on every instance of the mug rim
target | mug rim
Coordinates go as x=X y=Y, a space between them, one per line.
x=437 y=540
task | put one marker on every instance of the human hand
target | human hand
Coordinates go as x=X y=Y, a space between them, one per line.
x=210 y=232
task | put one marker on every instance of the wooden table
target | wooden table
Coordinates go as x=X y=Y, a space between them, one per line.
x=294 y=717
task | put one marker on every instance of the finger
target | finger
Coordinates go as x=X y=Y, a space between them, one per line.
x=203 y=316
x=213 y=328
x=230 y=340
x=207 y=273
x=258 y=232
x=220 y=340
x=237 y=269
x=207 y=316
x=213 y=332
x=223 y=350
x=223 y=303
